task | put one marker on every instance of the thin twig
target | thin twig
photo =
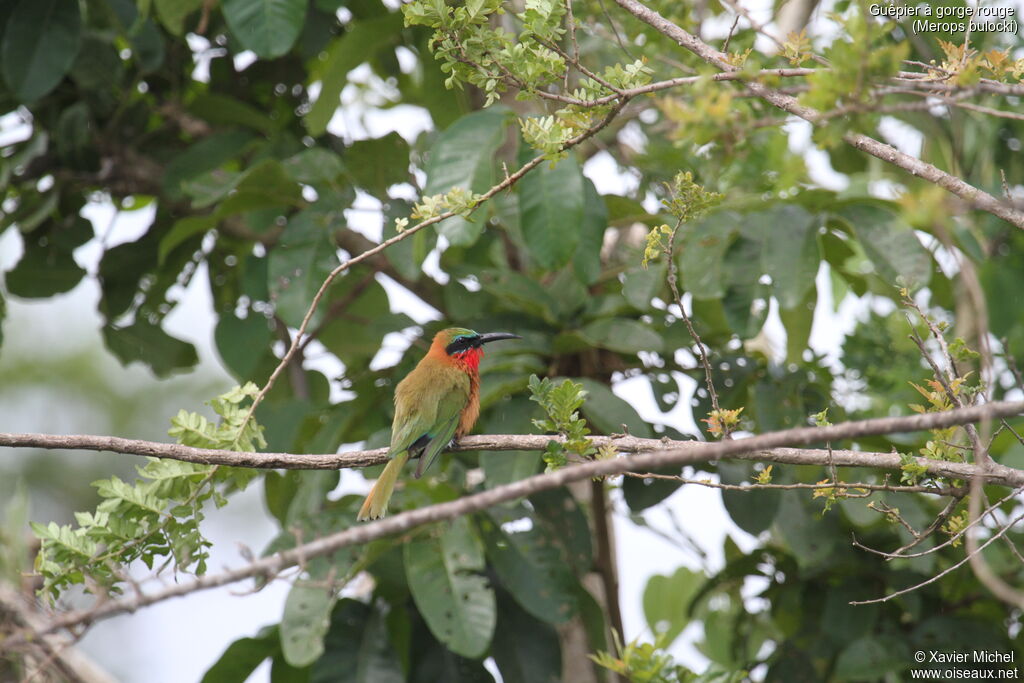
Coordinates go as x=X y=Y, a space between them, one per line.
x=948 y=542
x=732 y=29
x=846 y=486
x=674 y=285
x=938 y=576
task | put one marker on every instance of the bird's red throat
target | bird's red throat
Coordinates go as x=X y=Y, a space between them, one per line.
x=469 y=360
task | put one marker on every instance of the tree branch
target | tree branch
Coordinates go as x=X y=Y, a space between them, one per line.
x=675 y=455
x=914 y=166
x=625 y=444
x=46 y=654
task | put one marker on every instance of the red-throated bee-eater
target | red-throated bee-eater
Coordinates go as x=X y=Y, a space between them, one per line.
x=437 y=402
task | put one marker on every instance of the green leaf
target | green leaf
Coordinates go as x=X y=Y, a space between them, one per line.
x=744 y=287
x=74 y=137
x=358 y=648
x=357 y=333
x=121 y=271
x=359 y=43
x=283 y=672
x=243 y=343
x=812 y=541
x=444 y=575
x=869 y=659
x=667 y=600
x=622 y=335
x=798 y=321
x=525 y=650
x=898 y=256
x=144 y=38
x=205 y=155
x=509 y=466
x=753 y=511
x=209 y=188
x=531 y=566
x=464 y=156
x=267 y=27
x=181 y=231
x=641 y=494
x=608 y=412
x=264 y=185
x=279 y=490
x=842 y=622
x=43 y=271
x=40 y=42
x=379 y=163
x=551 y=210
x=701 y=250
x=97 y=64
x=172 y=13
x=525 y=294
x=315 y=165
x=147 y=342
x=512 y=416
x=587 y=261
x=560 y=517
x=300 y=262
x=242 y=657
x=224 y=109
x=789 y=252
x=408 y=255
x=307 y=612
x=625 y=211
x=642 y=284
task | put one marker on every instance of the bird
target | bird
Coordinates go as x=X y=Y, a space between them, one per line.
x=436 y=403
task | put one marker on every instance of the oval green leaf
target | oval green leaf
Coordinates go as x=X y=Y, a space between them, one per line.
x=531 y=566
x=444 y=575
x=551 y=212
x=463 y=156
x=267 y=27
x=39 y=44
x=307 y=617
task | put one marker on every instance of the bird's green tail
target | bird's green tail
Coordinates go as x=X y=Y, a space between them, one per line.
x=376 y=503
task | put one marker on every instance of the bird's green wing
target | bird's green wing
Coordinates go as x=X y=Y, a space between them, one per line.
x=427 y=414
x=437 y=443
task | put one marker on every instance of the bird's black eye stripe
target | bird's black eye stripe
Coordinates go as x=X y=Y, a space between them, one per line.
x=462 y=344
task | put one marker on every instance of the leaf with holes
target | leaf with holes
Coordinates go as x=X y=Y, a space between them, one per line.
x=307 y=617
x=530 y=564
x=444 y=575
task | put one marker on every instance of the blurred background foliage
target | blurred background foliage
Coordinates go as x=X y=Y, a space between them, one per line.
x=219 y=124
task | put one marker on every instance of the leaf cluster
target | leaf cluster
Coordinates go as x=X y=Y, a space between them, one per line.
x=156 y=518
x=562 y=402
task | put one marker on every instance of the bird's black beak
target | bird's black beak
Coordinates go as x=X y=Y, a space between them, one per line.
x=496 y=336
